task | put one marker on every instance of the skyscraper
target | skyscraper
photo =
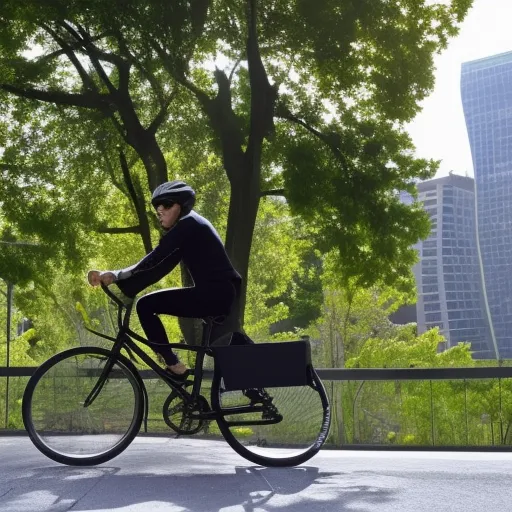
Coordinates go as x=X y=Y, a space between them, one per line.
x=486 y=87
x=448 y=274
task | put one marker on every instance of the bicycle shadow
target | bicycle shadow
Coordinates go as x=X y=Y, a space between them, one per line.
x=247 y=488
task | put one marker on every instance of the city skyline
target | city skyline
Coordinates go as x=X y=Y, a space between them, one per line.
x=439 y=131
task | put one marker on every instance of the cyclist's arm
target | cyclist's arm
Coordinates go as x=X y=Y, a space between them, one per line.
x=150 y=269
x=154 y=266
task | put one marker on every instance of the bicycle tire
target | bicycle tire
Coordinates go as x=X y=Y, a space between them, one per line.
x=304 y=427
x=59 y=424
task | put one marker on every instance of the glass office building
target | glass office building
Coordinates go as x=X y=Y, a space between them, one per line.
x=448 y=274
x=486 y=87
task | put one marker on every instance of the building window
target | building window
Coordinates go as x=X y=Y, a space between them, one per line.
x=433 y=317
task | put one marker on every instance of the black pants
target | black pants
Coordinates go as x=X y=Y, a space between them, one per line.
x=212 y=299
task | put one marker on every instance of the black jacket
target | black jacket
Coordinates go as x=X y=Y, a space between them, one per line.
x=192 y=240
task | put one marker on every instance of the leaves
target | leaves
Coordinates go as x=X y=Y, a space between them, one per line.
x=81 y=80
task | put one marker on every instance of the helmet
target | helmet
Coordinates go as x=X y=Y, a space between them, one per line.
x=174 y=192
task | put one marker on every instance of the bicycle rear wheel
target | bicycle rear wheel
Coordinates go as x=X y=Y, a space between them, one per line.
x=290 y=441
x=57 y=420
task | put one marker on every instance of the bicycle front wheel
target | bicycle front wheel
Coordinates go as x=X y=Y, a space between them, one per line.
x=68 y=430
x=288 y=433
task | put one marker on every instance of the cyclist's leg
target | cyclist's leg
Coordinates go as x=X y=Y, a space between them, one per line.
x=148 y=307
x=196 y=302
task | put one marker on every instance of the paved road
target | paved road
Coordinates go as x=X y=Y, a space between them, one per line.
x=191 y=475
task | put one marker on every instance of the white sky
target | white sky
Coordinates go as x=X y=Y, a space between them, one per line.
x=439 y=131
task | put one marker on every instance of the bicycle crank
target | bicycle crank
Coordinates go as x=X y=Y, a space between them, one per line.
x=182 y=416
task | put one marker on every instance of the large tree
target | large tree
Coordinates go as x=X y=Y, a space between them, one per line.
x=307 y=100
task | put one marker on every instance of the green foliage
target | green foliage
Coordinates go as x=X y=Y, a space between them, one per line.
x=408 y=412
x=352 y=314
x=349 y=76
x=275 y=260
x=406 y=350
x=303 y=296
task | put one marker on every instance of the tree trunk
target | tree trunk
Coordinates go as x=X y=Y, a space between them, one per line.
x=153 y=160
x=243 y=209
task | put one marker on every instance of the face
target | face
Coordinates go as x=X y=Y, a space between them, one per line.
x=168 y=216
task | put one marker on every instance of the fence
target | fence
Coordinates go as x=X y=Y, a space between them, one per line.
x=428 y=408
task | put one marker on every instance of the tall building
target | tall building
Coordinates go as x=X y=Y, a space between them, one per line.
x=486 y=87
x=448 y=274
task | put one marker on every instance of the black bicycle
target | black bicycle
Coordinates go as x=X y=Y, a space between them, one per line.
x=85 y=405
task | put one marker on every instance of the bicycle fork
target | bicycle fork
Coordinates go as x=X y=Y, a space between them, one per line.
x=116 y=349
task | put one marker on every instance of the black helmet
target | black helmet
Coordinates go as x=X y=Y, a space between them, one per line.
x=174 y=192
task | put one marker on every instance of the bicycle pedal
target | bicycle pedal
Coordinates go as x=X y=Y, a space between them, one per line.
x=180 y=378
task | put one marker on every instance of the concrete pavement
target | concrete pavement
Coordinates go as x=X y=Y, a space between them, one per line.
x=159 y=474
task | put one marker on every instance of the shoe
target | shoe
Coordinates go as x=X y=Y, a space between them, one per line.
x=177 y=371
x=260 y=396
x=257 y=396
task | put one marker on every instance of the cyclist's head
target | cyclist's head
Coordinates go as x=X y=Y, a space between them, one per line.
x=173 y=192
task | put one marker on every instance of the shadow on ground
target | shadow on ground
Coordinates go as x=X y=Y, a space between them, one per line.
x=246 y=488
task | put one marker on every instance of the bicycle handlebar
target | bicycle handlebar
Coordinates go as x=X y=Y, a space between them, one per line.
x=112 y=296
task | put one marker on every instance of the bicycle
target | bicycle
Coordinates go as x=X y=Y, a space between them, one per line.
x=85 y=405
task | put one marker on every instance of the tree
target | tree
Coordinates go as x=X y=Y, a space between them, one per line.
x=408 y=412
x=351 y=315
x=313 y=105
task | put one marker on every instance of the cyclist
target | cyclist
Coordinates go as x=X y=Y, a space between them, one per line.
x=189 y=238
x=192 y=239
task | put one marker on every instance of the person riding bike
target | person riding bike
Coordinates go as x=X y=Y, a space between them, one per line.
x=191 y=239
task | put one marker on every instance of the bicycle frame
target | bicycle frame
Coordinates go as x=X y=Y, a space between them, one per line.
x=124 y=340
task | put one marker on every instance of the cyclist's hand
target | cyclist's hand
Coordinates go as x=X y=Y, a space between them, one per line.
x=95 y=278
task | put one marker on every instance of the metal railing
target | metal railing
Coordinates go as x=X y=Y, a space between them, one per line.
x=470 y=405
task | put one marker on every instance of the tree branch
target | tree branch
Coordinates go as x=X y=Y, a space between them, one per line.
x=85 y=100
x=110 y=168
x=237 y=63
x=116 y=231
x=275 y=192
x=48 y=292
x=202 y=97
x=128 y=180
x=219 y=111
x=136 y=62
x=32 y=244
x=263 y=95
x=86 y=79
x=137 y=203
x=73 y=47
x=162 y=115
x=86 y=43
x=284 y=113
x=92 y=53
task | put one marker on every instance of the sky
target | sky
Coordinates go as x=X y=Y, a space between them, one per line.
x=439 y=131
